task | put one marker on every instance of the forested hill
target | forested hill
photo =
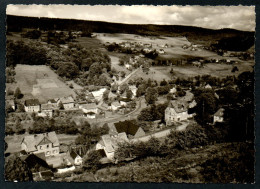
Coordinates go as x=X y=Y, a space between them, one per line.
x=194 y=34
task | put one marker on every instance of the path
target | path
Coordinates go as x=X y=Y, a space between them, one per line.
x=159 y=134
x=127 y=77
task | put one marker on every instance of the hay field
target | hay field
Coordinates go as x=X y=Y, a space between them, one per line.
x=42 y=76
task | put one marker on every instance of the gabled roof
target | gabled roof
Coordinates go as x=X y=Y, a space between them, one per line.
x=52 y=101
x=66 y=100
x=89 y=106
x=32 y=141
x=48 y=106
x=73 y=154
x=178 y=106
x=31 y=102
x=112 y=128
x=220 y=112
x=126 y=126
x=99 y=92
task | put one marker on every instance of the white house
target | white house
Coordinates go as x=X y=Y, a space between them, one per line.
x=32 y=105
x=98 y=95
x=74 y=158
x=176 y=111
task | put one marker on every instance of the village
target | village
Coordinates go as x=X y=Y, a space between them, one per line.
x=97 y=106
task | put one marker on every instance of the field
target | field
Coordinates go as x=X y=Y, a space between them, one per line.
x=45 y=82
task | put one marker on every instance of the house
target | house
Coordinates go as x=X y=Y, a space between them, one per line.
x=176 y=111
x=32 y=105
x=90 y=115
x=132 y=130
x=98 y=95
x=74 y=158
x=109 y=143
x=47 y=143
x=219 y=116
x=48 y=109
x=68 y=102
x=87 y=108
x=112 y=95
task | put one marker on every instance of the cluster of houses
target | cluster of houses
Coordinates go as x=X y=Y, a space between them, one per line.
x=138 y=47
x=45 y=150
x=177 y=110
x=90 y=108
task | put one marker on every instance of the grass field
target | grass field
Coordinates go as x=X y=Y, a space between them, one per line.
x=49 y=85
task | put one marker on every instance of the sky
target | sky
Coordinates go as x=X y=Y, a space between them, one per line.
x=214 y=17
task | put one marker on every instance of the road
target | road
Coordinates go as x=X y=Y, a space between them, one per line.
x=160 y=134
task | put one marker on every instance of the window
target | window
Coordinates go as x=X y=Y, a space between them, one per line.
x=47 y=146
x=40 y=147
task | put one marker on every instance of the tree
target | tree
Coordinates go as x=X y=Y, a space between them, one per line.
x=17 y=170
x=91 y=161
x=17 y=93
x=206 y=106
x=68 y=70
x=129 y=94
x=151 y=95
x=105 y=95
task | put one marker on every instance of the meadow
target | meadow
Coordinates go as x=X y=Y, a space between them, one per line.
x=49 y=85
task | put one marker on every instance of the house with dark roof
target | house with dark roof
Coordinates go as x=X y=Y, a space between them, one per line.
x=129 y=128
x=177 y=111
x=74 y=158
x=32 y=105
x=219 y=116
x=47 y=143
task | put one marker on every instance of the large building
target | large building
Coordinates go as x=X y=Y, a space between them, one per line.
x=47 y=143
x=176 y=111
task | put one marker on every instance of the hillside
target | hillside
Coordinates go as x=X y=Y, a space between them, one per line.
x=193 y=34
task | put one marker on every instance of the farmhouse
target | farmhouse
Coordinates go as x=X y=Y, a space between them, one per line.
x=68 y=102
x=176 y=111
x=219 y=116
x=32 y=105
x=47 y=143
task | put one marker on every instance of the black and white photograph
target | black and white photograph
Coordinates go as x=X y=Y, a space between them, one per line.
x=136 y=94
